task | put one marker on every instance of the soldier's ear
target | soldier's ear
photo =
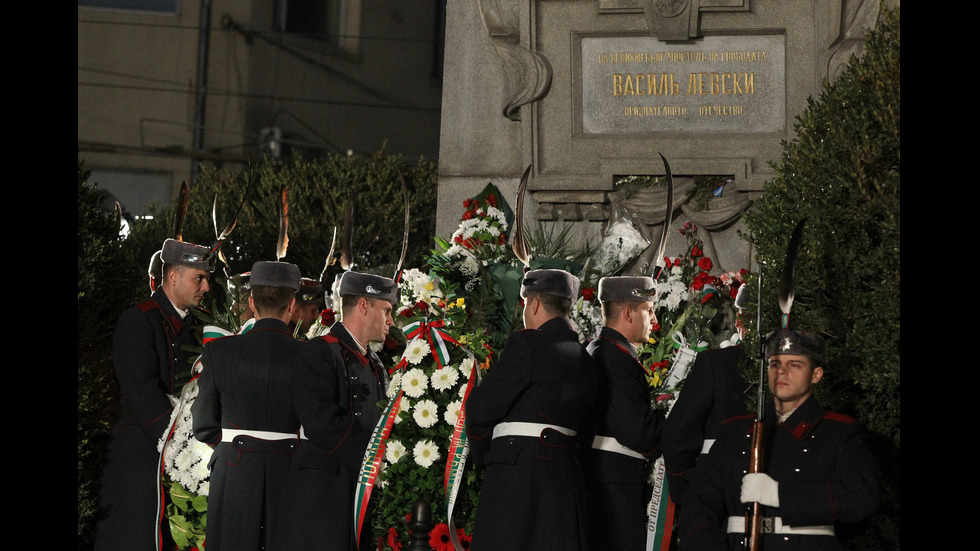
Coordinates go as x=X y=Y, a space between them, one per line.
x=817 y=374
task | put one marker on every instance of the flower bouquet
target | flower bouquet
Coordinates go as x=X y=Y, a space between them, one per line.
x=693 y=313
x=421 y=455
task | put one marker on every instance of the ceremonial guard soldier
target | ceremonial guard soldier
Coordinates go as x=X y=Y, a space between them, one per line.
x=714 y=390
x=627 y=429
x=523 y=421
x=309 y=304
x=152 y=364
x=244 y=411
x=819 y=469
x=339 y=383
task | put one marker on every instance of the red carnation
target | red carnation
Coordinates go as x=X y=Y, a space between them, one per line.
x=696 y=250
x=588 y=293
x=327 y=317
x=407 y=313
x=705 y=263
x=422 y=306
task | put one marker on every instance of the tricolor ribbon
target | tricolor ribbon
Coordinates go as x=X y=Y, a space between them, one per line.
x=660 y=511
x=432 y=331
x=459 y=449
x=371 y=465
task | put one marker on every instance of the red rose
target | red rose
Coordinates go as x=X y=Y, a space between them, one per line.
x=699 y=280
x=588 y=293
x=422 y=306
x=656 y=327
x=407 y=313
x=705 y=263
x=327 y=317
x=696 y=250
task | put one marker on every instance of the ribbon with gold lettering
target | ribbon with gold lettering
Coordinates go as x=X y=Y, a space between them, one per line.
x=371 y=464
x=435 y=335
x=458 y=451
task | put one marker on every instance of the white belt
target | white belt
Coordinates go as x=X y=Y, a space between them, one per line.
x=736 y=525
x=706 y=446
x=610 y=444
x=228 y=435
x=527 y=429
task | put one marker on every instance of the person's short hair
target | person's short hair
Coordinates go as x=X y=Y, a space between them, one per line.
x=611 y=310
x=271 y=301
x=349 y=302
x=553 y=304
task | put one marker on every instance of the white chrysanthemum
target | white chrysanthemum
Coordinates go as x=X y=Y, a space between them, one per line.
x=414 y=382
x=452 y=412
x=404 y=406
x=393 y=385
x=416 y=350
x=445 y=378
x=394 y=450
x=466 y=367
x=498 y=215
x=426 y=413
x=426 y=453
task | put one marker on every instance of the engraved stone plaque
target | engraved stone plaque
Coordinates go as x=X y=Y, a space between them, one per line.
x=718 y=84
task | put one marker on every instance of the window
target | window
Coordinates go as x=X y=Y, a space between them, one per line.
x=335 y=22
x=158 y=6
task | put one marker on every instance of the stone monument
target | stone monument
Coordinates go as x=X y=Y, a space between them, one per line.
x=589 y=92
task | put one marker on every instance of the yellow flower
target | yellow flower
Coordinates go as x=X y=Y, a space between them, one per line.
x=459 y=302
x=652 y=340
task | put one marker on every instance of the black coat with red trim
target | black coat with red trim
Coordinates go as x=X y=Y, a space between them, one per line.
x=336 y=391
x=713 y=391
x=533 y=495
x=822 y=462
x=618 y=482
x=151 y=363
x=245 y=384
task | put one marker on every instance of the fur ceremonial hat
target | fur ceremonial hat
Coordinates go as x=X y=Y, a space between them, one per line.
x=187 y=254
x=310 y=292
x=797 y=343
x=550 y=282
x=626 y=289
x=369 y=285
x=275 y=274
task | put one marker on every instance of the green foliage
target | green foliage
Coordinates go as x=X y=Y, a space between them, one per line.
x=843 y=175
x=104 y=290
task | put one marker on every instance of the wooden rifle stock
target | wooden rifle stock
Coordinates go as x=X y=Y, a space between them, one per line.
x=753 y=525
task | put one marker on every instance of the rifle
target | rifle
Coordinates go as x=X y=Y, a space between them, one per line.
x=786 y=288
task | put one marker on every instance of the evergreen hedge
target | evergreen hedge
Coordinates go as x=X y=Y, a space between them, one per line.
x=842 y=173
